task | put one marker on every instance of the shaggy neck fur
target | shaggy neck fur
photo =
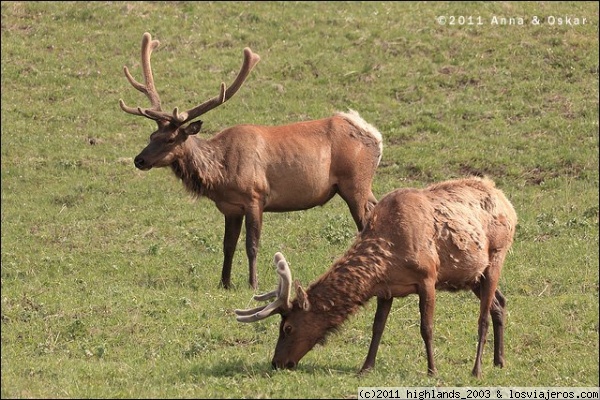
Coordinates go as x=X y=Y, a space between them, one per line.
x=350 y=282
x=199 y=169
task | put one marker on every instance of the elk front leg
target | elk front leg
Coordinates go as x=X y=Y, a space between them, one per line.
x=383 y=310
x=233 y=227
x=253 y=228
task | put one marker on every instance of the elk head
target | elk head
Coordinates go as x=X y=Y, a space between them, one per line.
x=166 y=142
x=300 y=329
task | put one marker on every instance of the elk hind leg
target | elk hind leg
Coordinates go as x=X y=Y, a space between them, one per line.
x=253 y=229
x=487 y=295
x=427 y=309
x=360 y=201
x=498 y=313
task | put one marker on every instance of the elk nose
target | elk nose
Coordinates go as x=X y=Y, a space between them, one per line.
x=139 y=162
x=290 y=365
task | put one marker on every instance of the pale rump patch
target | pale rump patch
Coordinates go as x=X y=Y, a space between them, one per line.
x=363 y=126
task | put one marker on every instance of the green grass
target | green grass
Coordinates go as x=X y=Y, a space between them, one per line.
x=110 y=275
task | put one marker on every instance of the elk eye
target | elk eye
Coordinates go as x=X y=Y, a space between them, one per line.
x=287 y=329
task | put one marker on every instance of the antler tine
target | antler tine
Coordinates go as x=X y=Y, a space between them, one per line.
x=266 y=296
x=148 y=45
x=282 y=294
x=155 y=112
x=285 y=279
x=250 y=311
x=250 y=60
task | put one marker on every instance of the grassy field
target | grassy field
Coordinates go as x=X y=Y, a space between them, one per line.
x=110 y=275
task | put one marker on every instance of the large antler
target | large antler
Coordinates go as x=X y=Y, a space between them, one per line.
x=156 y=113
x=281 y=294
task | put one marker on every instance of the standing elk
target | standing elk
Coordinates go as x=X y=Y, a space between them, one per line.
x=451 y=236
x=250 y=169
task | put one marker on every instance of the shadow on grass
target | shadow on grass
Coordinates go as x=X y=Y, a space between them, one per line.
x=239 y=367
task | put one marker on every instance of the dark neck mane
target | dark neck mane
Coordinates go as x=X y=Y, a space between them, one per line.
x=199 y=169
x=350 y=282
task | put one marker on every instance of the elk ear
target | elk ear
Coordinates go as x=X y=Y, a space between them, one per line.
x=193 y=128
x=301 y=296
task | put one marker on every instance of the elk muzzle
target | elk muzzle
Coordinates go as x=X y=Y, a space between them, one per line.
x=140 y=163
x=288 y=355
x=283 y=365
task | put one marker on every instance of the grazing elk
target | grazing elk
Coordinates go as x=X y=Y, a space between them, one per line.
x=450 y=236
x=250 y=169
